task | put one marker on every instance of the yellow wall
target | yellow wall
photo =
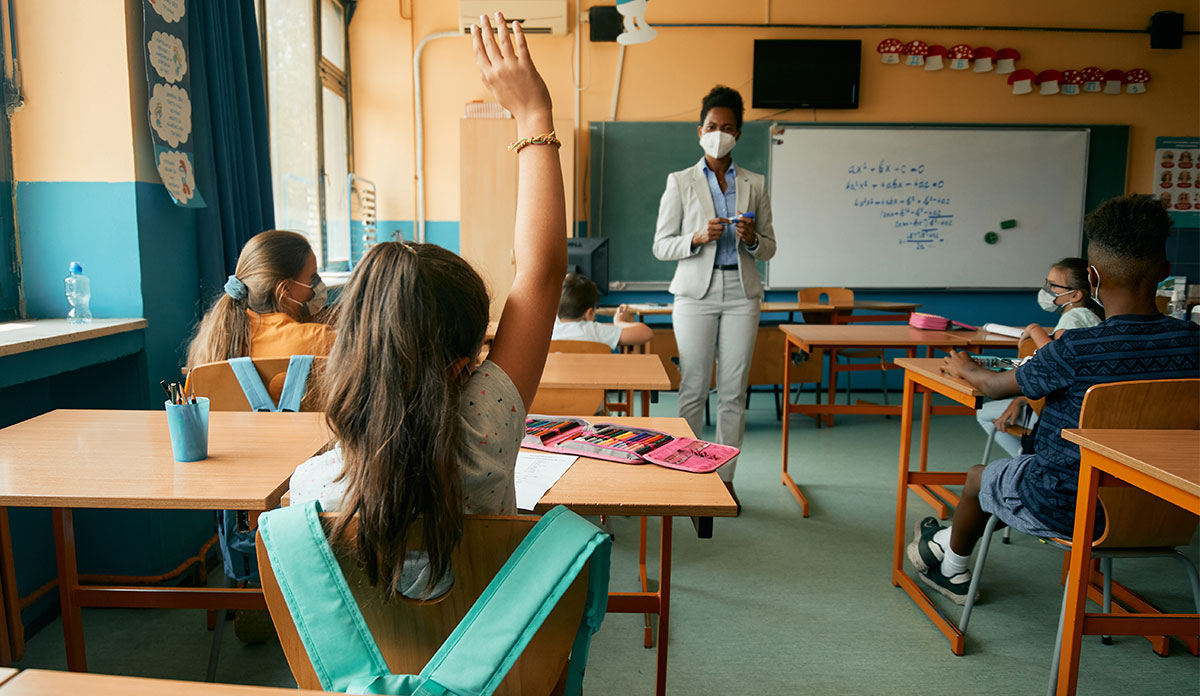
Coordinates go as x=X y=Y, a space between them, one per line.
x=76 y=124
x=665 y=79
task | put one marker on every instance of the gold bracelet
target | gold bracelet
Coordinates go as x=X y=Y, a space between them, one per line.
x=545 y=139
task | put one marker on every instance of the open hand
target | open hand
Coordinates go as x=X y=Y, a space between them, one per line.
x=711 y=232
x=509 y=72
x=1009 y=418
x=745 y=231
x=958 y=363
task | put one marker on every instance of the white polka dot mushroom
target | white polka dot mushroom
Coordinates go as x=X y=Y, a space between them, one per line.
x=1135 y=81
x=889 y=50
x=1021 y=81
x=1006 y=60
x=936 y=58
x=1072 y=82
x=960 y=57
x=1048 y=81
x=984 y=55
x=1092 y=77
x=1113 y=80
x=915 y=52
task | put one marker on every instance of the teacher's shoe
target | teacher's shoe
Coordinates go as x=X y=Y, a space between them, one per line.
x=729 y=487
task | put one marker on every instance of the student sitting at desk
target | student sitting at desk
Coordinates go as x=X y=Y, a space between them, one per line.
x=268 y=306
x=1036 y=493
x=577 y=317
x=1066 y=290
x=423 y=437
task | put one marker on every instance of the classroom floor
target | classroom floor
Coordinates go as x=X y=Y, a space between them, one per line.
x=774 y=603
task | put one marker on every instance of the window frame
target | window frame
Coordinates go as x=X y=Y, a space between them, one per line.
x=12 y=300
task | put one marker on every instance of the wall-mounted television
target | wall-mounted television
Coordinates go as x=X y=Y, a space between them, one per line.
x=806 y=74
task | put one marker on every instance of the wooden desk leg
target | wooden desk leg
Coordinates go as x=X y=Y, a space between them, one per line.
x=68 y=581
x=939 y=506
x=906 y=408
x=1072 y=630
x=833 y=373
x=13 y=645
x=648 y=639
x=787 y=417
x=664 y=605
x=645 y=403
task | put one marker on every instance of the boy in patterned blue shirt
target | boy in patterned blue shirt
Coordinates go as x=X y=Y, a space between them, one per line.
x=1035 y=493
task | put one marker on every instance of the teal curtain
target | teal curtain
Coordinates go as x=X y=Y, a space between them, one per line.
x=229 y=120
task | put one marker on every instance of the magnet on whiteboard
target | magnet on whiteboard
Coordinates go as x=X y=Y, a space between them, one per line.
x=991 y=237
x=1008 y=224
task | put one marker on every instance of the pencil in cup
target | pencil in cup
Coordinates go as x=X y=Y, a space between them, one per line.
x=188 y=424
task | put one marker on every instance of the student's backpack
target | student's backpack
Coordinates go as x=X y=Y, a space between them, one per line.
x=233 y=526
x=486 y=643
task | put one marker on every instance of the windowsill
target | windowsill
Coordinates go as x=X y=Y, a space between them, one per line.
x=35 y=334
x=335 y=279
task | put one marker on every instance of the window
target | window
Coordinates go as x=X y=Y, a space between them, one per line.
x=10 y=99
x=308 y=97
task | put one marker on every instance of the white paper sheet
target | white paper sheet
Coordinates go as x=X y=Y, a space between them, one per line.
x=1003 y=330
x=536 y=473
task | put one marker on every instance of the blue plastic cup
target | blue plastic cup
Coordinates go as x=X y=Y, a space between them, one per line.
x=189 y=430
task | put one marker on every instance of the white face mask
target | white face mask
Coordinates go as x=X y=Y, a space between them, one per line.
x=1046 y=300
x=1096 y=287
x=717 y=144
x=320 y=293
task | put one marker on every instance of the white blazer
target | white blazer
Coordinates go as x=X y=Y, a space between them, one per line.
x=685 y=209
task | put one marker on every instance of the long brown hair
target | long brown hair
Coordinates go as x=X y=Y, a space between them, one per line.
x=267 y=260
x=407 y=318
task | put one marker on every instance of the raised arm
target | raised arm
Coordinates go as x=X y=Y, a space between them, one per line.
x=540 y=241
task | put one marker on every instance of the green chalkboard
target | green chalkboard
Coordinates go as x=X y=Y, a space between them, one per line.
x=630 y=161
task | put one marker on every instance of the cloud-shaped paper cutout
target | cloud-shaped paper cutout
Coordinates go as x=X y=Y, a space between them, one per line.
x=170 y=112
x=170 y=10
x=177 y=174
x=167 y=56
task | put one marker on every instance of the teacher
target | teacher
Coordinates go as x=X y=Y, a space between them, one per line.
x=716 y=285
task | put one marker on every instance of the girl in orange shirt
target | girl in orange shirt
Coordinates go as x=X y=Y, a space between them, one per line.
x=268 y=305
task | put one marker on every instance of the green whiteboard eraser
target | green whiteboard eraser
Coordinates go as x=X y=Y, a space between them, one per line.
x=1008 y=224
x=991 y=237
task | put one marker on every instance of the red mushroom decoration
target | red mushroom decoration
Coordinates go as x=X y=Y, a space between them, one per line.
x=1092 y=77
x=914 y=52
x=960 y=57
x=984 y=55
x=1135 y=81
x=1113 y=79
x=889 y=50
x=936 y=58
x=1072 y=82
x=1006 y=60
x=1021 y=81
x=1048 y=81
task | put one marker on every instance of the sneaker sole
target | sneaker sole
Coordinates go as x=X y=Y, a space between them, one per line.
x=913 y=551
x=959 y=599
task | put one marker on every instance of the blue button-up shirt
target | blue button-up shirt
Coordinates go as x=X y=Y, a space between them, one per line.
x=725 y=206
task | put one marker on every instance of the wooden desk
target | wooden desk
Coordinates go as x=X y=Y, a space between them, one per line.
x=39 y=682
x=623 y=371
x=7 y=673
x=122 y=459
x=831 y=337
x=840 y=313
x=924 y=375
x=598 y=487
x=1164 y=463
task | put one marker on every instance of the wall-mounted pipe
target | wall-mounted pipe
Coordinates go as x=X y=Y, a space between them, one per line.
x=419 y=225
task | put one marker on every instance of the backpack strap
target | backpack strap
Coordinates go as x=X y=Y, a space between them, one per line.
x=481 y=650
x=252 y=385
x=295 y=382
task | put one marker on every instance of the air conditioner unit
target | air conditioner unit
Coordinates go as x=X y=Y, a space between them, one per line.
x=535 y=16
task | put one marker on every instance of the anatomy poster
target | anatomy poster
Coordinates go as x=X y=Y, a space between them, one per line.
x=169 y=103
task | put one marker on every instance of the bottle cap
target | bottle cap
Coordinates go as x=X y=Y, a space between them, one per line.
x=75 y=268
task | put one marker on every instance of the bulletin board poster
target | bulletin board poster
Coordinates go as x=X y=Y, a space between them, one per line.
x=169 y=97
x=1177 y=178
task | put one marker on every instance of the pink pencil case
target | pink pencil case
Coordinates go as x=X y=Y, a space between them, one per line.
x=933 y=322
x=620 y=443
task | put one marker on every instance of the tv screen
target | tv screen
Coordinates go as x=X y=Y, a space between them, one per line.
x=589 y=256
x=806 y=74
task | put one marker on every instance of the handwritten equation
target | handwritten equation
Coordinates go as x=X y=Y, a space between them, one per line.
x=913 y=199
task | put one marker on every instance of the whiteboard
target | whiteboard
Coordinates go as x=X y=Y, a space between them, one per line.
x=897 y=207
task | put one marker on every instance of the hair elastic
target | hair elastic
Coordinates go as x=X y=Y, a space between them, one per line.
x=235 y=288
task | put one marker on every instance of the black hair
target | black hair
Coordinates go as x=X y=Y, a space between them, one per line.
x=1133 y=227
x=579 y=294
x=722 y=96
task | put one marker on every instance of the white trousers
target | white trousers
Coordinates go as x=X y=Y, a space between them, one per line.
x=723 y=324
x=990 y=411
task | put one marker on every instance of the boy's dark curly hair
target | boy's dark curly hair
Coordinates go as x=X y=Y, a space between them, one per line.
x=1133 y=227
x=722 y=96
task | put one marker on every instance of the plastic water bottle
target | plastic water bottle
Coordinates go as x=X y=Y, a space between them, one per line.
x=79 y=295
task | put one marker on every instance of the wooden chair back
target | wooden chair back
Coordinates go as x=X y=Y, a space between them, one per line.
x=1163 y=303
x=766 y=365
x=1136 y=518
x=217 y=382
x=570 y=402
x=823 y=296
x=410 y=632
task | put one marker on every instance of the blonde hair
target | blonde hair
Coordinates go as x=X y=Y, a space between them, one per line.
x=267 y=260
